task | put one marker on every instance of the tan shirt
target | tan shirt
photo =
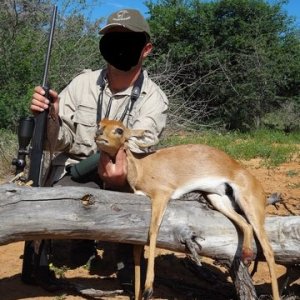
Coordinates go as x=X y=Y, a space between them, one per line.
x=78 y=112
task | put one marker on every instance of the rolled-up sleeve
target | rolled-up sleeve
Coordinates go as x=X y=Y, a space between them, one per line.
x=78 y=113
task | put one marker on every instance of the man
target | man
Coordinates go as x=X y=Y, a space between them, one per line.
x=121 y=91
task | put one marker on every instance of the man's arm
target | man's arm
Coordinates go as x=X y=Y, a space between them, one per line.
x=40 y=103
x=151 y=116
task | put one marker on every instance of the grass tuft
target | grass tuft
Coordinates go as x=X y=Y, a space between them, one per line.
x=273 y=147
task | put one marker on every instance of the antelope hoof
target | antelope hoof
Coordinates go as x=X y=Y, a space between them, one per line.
x=147 y=294
x=247 y=256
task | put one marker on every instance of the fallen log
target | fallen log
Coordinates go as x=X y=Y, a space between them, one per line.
x=28 y=213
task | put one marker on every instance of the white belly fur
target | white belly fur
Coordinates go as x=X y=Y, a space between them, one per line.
x=213 y=185
x=141 y=193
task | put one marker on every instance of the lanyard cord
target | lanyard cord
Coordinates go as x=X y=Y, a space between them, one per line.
x=108 y=106
x=135 y=94
x=101 y=81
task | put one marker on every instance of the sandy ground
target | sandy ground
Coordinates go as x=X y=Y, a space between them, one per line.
x=175 y=276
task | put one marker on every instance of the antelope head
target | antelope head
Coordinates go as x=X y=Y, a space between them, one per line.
x=112 y=135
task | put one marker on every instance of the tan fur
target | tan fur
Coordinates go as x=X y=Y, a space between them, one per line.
x=169 y=172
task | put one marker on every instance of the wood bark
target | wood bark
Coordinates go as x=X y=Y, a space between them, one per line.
x=28 y=213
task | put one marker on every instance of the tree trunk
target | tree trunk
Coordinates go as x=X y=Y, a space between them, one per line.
x=28 y=213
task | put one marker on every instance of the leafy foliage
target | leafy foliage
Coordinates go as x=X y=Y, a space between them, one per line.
x=8 y=148
x=244 y=55
x=24 y=29
x=230 y=63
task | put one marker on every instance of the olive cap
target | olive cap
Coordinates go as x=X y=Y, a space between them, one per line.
x=127 y=18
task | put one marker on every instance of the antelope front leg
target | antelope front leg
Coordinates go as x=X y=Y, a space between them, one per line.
x=137 y=254
x=158 y=209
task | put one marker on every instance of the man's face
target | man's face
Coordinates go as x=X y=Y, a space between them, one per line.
x=122 y=49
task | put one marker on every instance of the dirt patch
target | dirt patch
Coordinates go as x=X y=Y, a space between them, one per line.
x=176 y=277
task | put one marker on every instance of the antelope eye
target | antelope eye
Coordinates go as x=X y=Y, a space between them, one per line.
x=119 y=131
x=99 y=130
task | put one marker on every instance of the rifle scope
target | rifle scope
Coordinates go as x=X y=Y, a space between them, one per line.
x=25 y=131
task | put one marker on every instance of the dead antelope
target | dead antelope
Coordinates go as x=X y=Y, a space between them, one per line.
x=171 y=172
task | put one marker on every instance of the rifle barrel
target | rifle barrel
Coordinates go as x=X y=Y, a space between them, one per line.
x=50 y=40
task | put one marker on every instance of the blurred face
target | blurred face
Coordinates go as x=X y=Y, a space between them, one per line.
x=123 y=49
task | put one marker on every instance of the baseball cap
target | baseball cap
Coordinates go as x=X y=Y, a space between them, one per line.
x=127 y=18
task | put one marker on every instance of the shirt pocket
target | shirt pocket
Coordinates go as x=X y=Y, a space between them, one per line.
x=85 y=129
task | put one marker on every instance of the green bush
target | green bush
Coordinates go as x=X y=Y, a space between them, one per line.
x=8 y=150
x=286 y=118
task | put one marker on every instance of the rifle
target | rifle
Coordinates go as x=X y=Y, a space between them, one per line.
x=38 y=139
x=31 y=268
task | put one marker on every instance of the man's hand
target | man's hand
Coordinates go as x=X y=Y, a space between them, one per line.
x=113 y=173
x=39 y=102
